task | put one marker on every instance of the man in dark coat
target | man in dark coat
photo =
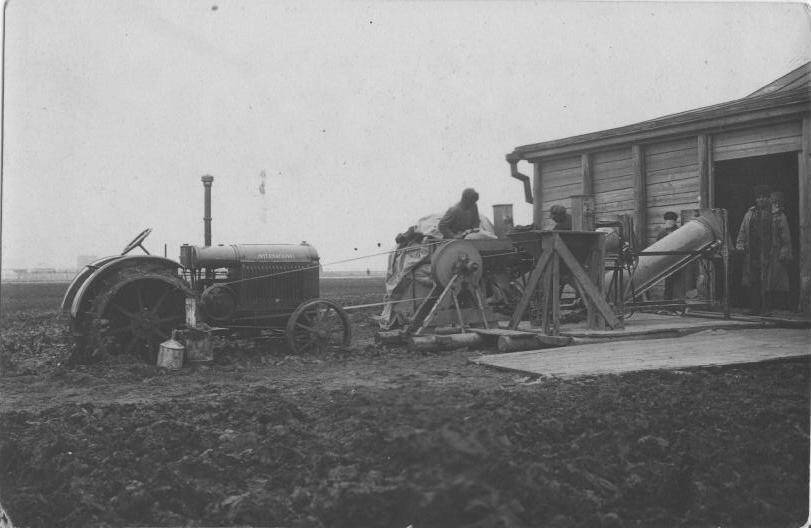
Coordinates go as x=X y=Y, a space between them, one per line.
x=670 y=225
x=462 y=217
x=765 y=239
x=677 y=278
x=563 y=220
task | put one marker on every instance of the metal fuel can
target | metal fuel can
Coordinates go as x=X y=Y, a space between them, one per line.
x=170 y=353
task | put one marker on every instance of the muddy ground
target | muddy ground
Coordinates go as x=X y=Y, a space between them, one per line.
x=385 y=437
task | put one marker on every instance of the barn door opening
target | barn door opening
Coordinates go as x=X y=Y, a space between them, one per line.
x=734 y=191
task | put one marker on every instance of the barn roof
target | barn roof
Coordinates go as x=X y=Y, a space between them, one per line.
x=801 y=77
x=788 y=94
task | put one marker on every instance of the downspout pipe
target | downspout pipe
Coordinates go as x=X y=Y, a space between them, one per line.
x=513 y=161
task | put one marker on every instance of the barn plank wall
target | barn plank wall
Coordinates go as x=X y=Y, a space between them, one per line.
x=671 y=180
x=640 y=192
x=561 y=179
x=612 y=174
x=586 y=174
x=758 y=141
x=704 y=157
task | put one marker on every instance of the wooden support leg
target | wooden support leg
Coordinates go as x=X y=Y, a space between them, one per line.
x=591 y=313
x=481 y=307
x=436 y=306
x=529 y=291
x=597 y=273
x=554 y=291
x=592 y=295
x=423 y=310
x=458 y=312
x=546 y=285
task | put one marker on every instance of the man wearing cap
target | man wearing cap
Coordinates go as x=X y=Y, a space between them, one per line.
x=670 y=225
x=563 y=220
x=765 y=239
x=459 y=219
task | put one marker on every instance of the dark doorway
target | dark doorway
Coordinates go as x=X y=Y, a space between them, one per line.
x=734 y=183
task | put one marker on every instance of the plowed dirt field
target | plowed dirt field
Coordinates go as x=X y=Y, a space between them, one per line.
x=379 y=436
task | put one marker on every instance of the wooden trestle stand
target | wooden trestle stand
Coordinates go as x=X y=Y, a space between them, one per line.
x=582 y=253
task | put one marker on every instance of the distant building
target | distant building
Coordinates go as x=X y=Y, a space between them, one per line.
x=37 y=275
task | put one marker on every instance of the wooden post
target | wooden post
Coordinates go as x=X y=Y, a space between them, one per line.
x=640 y=194
x=597 y=275
x=537 y=192
x=585 y=171
x=529 y=290
x=710 y=174
x=703 y=172
x=582 y=212
x=546 y=298
x=804 y=251
x=592 y=295
x=555 y=289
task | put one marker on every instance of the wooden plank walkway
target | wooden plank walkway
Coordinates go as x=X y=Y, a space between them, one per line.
x=711 y=347
x=642 y=324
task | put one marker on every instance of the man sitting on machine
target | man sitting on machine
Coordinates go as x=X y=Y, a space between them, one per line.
x=462 y=218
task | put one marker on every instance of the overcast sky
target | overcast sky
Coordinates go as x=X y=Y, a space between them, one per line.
x=358 y=117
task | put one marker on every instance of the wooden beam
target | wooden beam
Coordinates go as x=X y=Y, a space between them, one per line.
x=567 y=146
x=582 y=212
x=546 y=298
x=703 y=172
x=640 y=194
x=711 y=171
x=592 y=295
x=804 y=251
x=529 y=290
x=537 y=198
x=597 y=273
x=554 y=291
x=438 y=305
x=586 y=174
x=762 y=148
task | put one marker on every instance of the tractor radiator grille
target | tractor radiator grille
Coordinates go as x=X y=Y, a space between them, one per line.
x=278 y=285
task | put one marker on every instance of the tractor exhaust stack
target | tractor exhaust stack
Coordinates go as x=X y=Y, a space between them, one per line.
x=207 y=180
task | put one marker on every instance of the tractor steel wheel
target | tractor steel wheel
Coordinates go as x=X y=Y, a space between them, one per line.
x=138 y=313
x=319 y=326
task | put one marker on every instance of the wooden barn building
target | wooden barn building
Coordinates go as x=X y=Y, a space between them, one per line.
x=709 y=157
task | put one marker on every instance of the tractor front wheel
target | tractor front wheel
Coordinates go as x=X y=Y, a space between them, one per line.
x=318 y=326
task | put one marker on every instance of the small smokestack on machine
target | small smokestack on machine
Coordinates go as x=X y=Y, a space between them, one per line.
x=207 y=180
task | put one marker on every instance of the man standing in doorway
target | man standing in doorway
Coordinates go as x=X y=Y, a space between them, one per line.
x=670 y=226
x=765 y=239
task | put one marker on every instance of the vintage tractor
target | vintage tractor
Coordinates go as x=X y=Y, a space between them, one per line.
x=131 y=303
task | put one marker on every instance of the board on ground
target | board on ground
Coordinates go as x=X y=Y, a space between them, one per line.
x=644 y=324
x=708 y=348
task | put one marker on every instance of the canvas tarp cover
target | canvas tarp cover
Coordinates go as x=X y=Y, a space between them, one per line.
x=408 y=276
